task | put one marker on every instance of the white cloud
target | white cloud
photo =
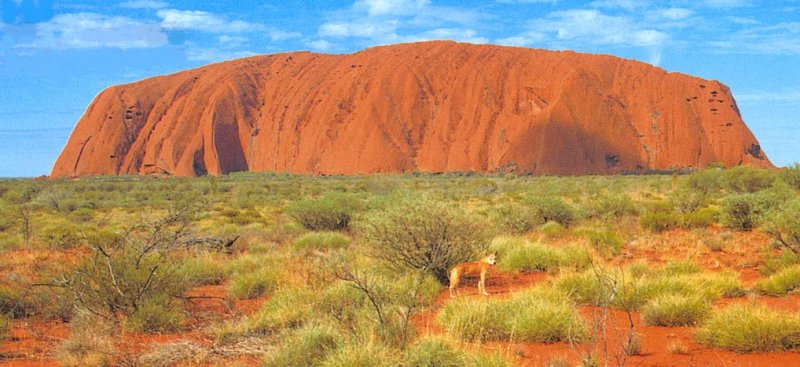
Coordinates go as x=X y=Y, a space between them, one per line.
x=90 y=30
x=144 y=4
x=777 y=39
x=391 y=7
x=594 y=27
x=675 y=13
x=202 y=21
x=232 y=41
x=725 y=3
x=377 y=22
x=195 y=53
x=276 y=35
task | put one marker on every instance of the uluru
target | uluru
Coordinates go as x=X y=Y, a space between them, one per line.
x=421 y=107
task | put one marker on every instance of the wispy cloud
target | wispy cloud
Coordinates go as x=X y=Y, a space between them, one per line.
x=202 y=21
x=90 y=30
x=776 y=39
x=144 y=4
x=375 y=22
x=791 y=96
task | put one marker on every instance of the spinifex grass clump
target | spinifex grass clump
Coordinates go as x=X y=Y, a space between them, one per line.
x=329 y=213
x=537 y=316
x=675 y=310
x=780 y=283
x=320 y=241
x=747 y=328
x=520 y=255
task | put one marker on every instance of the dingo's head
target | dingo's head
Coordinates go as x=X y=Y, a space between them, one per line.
x=491 y=259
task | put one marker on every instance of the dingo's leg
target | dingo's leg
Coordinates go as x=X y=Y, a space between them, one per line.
x=482 y=284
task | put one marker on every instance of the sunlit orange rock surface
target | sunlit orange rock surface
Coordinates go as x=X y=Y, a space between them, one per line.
x=425 y=107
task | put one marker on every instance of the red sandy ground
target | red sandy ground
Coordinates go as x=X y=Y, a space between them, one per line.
x=33 y=342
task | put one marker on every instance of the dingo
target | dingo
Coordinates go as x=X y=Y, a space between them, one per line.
x=471 y=269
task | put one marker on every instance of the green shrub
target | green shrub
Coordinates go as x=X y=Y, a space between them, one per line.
x=424 y=234
x=288 y=308
x=252 y=285
x=307 y=346
x=551 y=209
x=513 y=218
x=370 y=355
x=605 y=241
x=61 y=236
x=535 y=316
x=678 y=267
x=82 y=215
x=612 y=207
x=741 y=212
x=747 y=328
x=780 y=283
x=701 y=218
x=434 y=352
x=686 y=201
x=791 y=175
x=553 y=229
x=330 y=213
x=744 y=179
x=487 y=360
x=155 y=316
x=202 y=270
x=660 y=222
x=342 y=302
x=320 y=241
x=675 y=310
x=707 y=181
x=784 y=225
x=520 y=255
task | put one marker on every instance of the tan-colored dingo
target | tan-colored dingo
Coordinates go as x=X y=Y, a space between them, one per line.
x=479 y=267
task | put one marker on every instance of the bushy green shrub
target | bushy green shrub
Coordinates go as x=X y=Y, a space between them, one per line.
x=744 y=179
x=424 y=234
x=320 y=241
x=675 y=310
x=202 y=270
x=553 y=229
x=701 y=218
x=514 y=218
x=748 y=328
x=707 y=181
x=307 y=346
x=61 y=236
x=329 y=213
x=791 y=175
x=548 y=208
x=520 y=255
x=612 y=206
x=534 y=316
x=660 y=222
x=780 y=283
x=5 y=327
x=741 y=212
x=686 y=201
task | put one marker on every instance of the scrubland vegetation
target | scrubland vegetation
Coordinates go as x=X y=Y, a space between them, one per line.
x=281 y=270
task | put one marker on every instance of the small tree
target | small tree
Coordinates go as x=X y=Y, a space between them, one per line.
x=424 y=234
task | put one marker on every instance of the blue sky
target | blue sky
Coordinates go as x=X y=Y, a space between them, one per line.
x=55 y=56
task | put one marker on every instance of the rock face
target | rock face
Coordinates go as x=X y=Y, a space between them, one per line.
x=427 y=107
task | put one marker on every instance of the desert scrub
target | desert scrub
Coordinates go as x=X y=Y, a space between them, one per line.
x=329 y=213
x=520 y=255
x=553 y=229
x=675 y=310
x=250 y=285
x=512 y=217
x=744 y=179
x=205 y=269
x=360 y=355
x=320 y=241
x=748 y=328
x=551 y=209
x=700 y=218
x=5 y=327
x=606 y=242
x=536 y=316
x=306 y=346
x=423 y=233
x=742 y=212
x=288 y=308
x=659 y=221
x=784 y=226
x=433 y=351
x=611 y=207
x=155 y=316
x=61 y=236
x=780 y=283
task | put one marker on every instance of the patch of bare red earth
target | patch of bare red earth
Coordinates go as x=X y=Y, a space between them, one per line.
x=33 y=342
x=656 y=342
